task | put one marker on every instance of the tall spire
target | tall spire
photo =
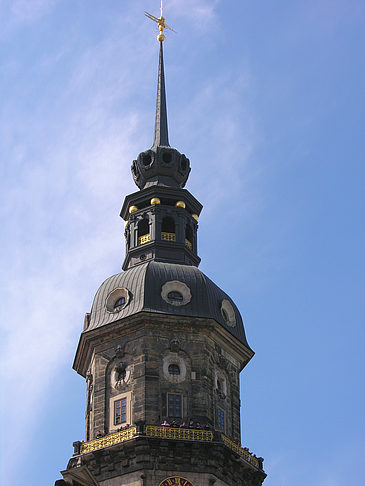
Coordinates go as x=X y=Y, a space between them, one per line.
x=161 y=129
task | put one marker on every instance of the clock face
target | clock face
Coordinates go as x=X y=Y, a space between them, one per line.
x=176 y=481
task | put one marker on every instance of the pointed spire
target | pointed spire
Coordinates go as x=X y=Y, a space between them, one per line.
x=161 y=130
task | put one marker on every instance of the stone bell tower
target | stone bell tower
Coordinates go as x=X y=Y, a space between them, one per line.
x=163 y=346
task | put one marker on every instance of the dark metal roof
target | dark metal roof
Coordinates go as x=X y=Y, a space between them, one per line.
x=144 y=283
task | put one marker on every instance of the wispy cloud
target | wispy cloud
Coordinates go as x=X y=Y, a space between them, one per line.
x=232 y=128
x=17 y=13
x=70 y=153
x=203 y=13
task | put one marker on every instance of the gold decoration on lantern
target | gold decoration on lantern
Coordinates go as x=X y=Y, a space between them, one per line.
x=180 y=204
x=155 y=200
x=132 y=209
x=195 y=216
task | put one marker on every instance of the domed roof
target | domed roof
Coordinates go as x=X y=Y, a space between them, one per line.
x=164 y=288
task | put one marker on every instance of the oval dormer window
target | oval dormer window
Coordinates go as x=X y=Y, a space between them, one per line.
x=117 y=300
x=228 y=313
x=175 y=296
x=120 y=302
x=176 y=293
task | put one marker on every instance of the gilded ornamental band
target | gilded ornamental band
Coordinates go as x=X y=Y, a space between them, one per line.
x=242 y=452
x=178 y=433
x=108 y=440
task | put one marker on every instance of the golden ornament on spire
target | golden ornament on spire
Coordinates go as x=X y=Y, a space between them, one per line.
x=161 y=24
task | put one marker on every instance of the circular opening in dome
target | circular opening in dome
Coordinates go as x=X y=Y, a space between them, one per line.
x=117 y=300
x=184 y=164
x=143 y=257
x=228 y=313
x=167 y=157
x=175 y=293
x=146 y=159
x=174 y=369
x=175 y=296
x=119 y=303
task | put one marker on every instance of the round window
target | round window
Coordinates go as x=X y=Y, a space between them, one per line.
x=146 y=159
x=120 y=302
x=176 y=293
x=228 y=313
x=174 y=369
x=117 y=300
x=121 y=374
x=175 y=296
x=167 y=157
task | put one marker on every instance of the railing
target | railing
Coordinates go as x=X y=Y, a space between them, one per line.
x=162 y=432
x=144 y=239
x=168 y=236
x=177 y=433
x=108 y=440
x=242 y=452
x=188 y=244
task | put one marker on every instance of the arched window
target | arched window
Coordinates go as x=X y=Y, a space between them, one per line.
x=168 y=229
x=143 y=231
x=189 y=237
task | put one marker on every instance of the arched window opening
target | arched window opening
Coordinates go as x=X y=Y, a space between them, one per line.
x=143 y=232
x=189 y=237
x=168 y=229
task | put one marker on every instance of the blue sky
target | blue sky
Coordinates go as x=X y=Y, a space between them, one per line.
x=267 y=101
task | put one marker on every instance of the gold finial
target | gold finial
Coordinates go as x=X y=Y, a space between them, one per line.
x=161 y=24
x=132 y=209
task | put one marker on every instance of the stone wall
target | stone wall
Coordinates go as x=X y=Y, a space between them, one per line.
x=140 y=355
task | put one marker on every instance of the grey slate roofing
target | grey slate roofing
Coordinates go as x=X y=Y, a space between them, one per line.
x=144 y=283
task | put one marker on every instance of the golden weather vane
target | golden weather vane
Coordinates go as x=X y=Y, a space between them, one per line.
x=161 y=24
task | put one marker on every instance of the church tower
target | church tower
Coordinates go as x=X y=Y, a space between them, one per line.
x=163 y=346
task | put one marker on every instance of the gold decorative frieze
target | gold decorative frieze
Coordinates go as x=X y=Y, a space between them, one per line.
x=108 y=440
x=168 y=236
x=178 y=433
x=188 y=244
x=242 y=452
x=144 y=239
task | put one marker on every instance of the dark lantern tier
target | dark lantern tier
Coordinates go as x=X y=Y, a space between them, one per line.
x=161 y=225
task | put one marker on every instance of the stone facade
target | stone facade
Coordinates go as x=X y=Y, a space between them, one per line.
x=209 y=359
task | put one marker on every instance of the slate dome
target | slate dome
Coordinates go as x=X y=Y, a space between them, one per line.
x=144 y=284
